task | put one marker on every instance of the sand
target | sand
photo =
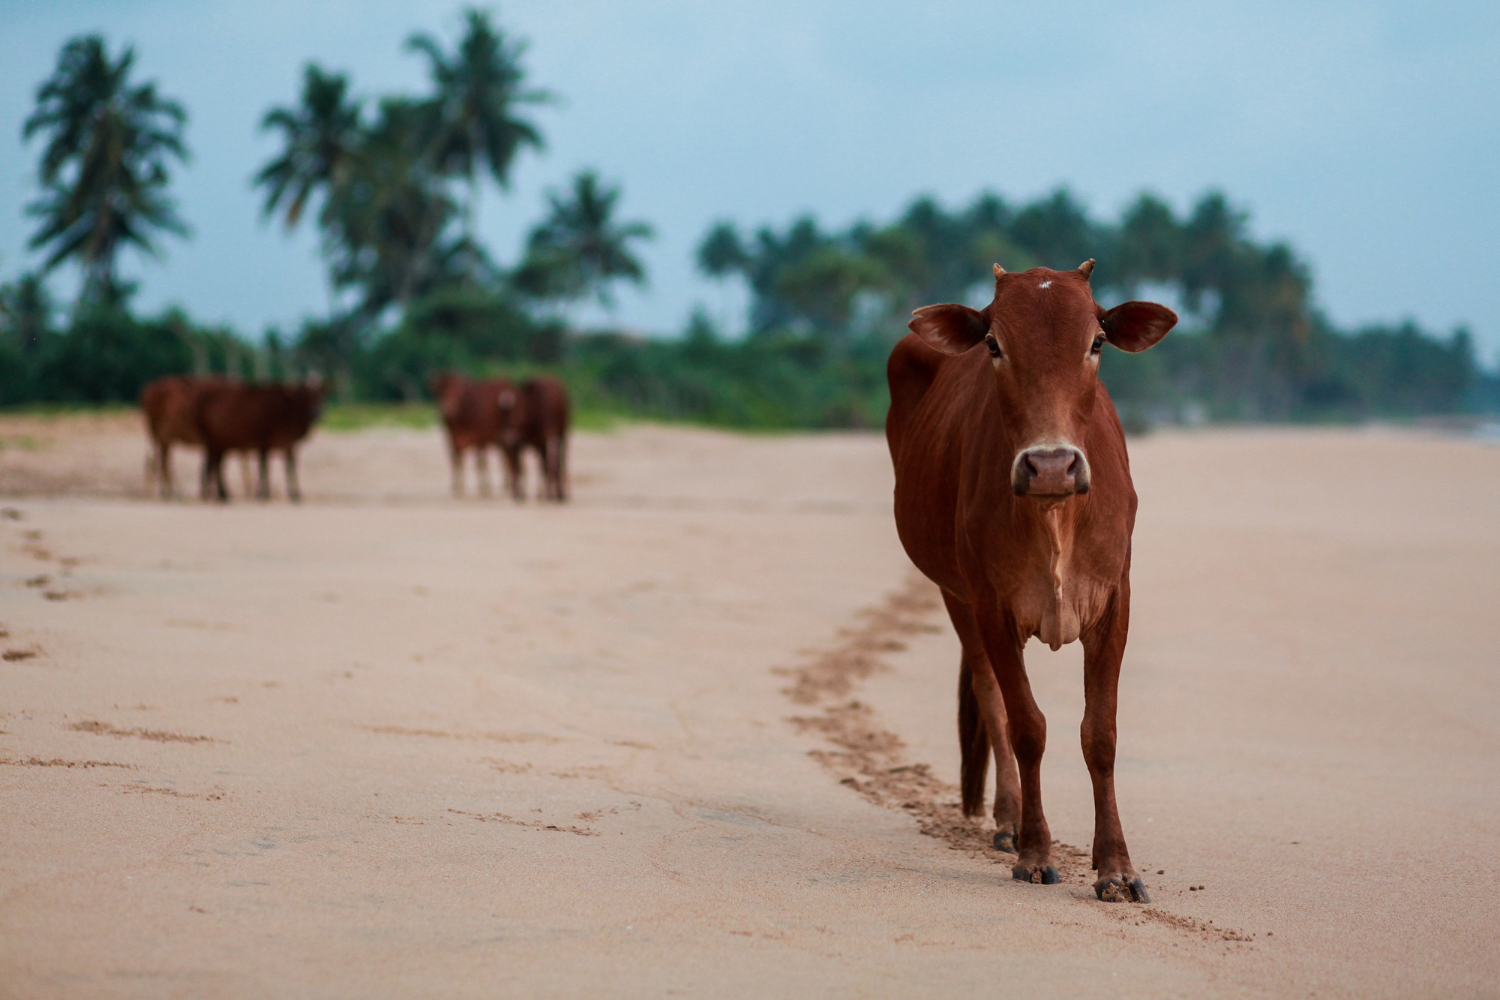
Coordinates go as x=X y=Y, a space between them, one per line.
x=693 y=734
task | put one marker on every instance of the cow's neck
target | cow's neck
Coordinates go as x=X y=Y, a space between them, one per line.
x=1049 y=533
x=1052 y=522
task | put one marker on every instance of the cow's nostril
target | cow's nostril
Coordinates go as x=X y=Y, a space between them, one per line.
x=1051 y=472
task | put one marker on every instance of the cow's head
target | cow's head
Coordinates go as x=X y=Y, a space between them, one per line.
x=314 y=389
x=447 y=391
x=1042 y=336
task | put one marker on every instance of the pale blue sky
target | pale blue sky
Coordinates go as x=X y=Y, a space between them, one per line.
x=1365 y=133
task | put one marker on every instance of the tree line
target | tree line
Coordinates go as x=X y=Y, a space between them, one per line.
x=1252 y=345
x=393 y=184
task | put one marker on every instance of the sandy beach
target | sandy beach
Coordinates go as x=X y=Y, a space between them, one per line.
x=692 y=735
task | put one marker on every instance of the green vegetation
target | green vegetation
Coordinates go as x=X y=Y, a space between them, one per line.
x=392 y=184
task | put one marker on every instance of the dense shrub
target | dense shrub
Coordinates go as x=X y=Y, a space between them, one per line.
x=458 y=328
x=106 y=354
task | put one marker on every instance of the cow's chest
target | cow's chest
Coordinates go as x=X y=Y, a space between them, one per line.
x=1054 y=586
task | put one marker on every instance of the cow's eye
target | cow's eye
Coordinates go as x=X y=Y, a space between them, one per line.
x=1098 y=344
x=993 y=345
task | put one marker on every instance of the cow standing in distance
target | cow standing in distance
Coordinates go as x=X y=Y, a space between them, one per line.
x=537 y=418
x=260 y=419
x=169 y=405
x=1013 y=495
x=472 y=418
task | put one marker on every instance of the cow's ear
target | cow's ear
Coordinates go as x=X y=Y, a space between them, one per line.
x=949 y=328
x=1135 y=326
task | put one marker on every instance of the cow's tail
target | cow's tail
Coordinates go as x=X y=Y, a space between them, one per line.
x=974 y=744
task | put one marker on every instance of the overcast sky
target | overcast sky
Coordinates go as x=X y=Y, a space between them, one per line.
x=1366 y=134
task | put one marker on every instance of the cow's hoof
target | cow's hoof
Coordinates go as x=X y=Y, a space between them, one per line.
x=1035 y=874
x=1005 y=841
x=1121 y=890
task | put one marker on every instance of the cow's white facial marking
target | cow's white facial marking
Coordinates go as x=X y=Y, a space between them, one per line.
x=1045 y=284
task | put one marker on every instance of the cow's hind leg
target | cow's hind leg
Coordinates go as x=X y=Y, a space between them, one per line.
x=263 y=489
x=550 y=488
x=213 y=473
x=163 y=470
x=293 y=488
x=1028 y=738
x=482 y=469
x=512 y=457
x=982 y=728
x=1103 y=649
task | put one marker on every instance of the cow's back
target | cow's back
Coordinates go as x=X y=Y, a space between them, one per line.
x=168 y=406
x=233 y=417
x=471 y=410
x=926 y=428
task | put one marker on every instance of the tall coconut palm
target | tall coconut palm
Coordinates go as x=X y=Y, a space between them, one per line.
x=479 y=93
x=579 y=250
x=388 y=225
x=104 y=169
x=319 y=136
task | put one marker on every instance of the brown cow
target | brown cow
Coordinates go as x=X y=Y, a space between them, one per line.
x=538 y=419
x=258 y=418
x=1013 y=494
x=168 y=405
x=471 y=410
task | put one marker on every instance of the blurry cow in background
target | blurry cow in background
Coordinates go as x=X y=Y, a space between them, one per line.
x=258 y=418
x=538 y=419
x=471 y=410
x=169 y=406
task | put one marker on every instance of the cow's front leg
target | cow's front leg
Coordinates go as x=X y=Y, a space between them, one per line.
x=1028 y=738
x=1103 y=649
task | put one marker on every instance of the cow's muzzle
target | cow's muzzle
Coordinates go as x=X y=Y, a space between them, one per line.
x=1050 y=472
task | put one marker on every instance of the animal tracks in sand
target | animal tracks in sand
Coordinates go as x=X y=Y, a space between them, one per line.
x=172 y=792
x=32 y=546
x=868 y=759
x=459 y=734
x=154 y=735
x=59 y=762
x=498 y=817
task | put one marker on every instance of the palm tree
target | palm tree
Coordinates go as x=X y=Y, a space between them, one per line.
x=389 y=222
x=479 y=91
x=320 y=137
x=579 y=250
x=104 y=167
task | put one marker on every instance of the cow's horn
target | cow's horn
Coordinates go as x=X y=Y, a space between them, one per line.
x=999 y=270
x=1086 y=268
